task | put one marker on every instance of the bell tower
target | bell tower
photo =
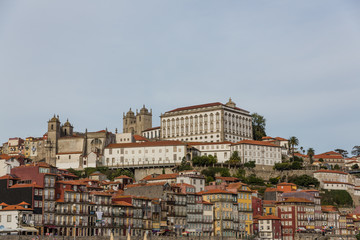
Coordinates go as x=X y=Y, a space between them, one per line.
x=53 y=135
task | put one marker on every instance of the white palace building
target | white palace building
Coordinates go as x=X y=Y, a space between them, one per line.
x=212 y=122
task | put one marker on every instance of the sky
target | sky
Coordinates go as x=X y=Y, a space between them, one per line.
x=297 y=63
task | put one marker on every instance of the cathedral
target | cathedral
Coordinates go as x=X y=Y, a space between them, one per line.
x=64 y=148
x=136 y=124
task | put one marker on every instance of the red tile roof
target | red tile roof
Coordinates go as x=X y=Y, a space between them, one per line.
x=32 y=185
x=146 y=144
x=215 y=191
x=330 y=171
x=208 y=143
x=123 y=176
x=161 y=177
x=122 y=203
x=15 y=207
x=295 y=200
x=140 y=138
x=253 y=142
x=149 y=129
x=203 y=106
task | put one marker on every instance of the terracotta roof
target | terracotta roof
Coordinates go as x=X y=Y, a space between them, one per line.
x=4 y=204
x=32 y=185
x=209 y=143
x=123 y=176
x=281 y=139
x=149 y=129
x=227 y=178
x=214 y=191
x=329 y=208
x=122 y=203
x=253 y=142
x=182 y=184
x=24 y=203
x=15 y=207
x=202 y=106
x=269 y=202
x=145 y=144
x=300 y=155
x=266 y=137
x=140 y=138
x=100 y=193
x=268 y=217
x=161 y=177
x=8 y=176
x=329 y=155
x=330 y=171
x=295 y=200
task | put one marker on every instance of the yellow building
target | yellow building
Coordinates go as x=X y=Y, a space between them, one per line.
x=244 y=201
x=269 y=208
x=223 y=211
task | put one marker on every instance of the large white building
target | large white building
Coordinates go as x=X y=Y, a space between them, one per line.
x=212 y=122
x=262 y=152
x=142 y=154
x=220 y=150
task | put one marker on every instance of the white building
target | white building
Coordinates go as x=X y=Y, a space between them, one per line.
x=66 y=160
x=16 y=218
x=220 y=150
x=161 y=153
x=332 y=176
x=212 y=122
x=7 y=163
x=262 y=152
x=338 y=186
x=192 y=177
x=152 y=133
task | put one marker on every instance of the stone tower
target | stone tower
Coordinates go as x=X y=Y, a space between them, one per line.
x=67 y=129
x=53 y=135
x=137 y=123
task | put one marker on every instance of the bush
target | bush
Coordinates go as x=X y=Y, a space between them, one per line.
x=250 y=164
x=253 y=180
x=339 y=198
x=210 y=172
x=304 y=181
x=274 y=181
x=204 y=160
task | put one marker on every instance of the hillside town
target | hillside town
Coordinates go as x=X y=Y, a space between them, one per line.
x=207 y=170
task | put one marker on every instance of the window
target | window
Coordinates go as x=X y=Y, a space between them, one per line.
x=8 y=218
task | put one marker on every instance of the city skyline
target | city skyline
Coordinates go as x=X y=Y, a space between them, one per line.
x=295 y=64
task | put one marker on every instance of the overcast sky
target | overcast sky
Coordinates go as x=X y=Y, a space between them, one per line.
x=295 y=62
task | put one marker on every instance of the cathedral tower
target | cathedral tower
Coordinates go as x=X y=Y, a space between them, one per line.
x=137 y=123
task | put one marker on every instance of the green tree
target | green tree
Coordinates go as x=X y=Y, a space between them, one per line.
x=184 y=165
x=311 y=153
x=258 y=126
x=339 y=198
x=250 y=164
x=343 y=152
x=336 y=167
x=293 y=141
x=274 y=181
x=355 y=166
x=234 y=158
x=356 y=151
x=254 y=180
x=304 y=180
x=204 y=160
x=321 y=160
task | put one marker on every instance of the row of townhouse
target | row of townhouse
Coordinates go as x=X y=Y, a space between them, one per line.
x=300 y=211
x=171 y=153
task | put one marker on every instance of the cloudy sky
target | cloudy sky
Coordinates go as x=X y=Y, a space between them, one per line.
x=295 y=62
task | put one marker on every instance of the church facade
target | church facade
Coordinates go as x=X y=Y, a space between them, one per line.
x=64 y=148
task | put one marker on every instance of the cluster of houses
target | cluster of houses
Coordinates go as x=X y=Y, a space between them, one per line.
x=38 y=198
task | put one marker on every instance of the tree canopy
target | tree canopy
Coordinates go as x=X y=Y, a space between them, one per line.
x=336 y=197
x=311 y=153
x=356 y=151
x=234 y=158
x=304 y=180
x=343 y=152
x=204 y=160
x=293 y=141
x=258 y=126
